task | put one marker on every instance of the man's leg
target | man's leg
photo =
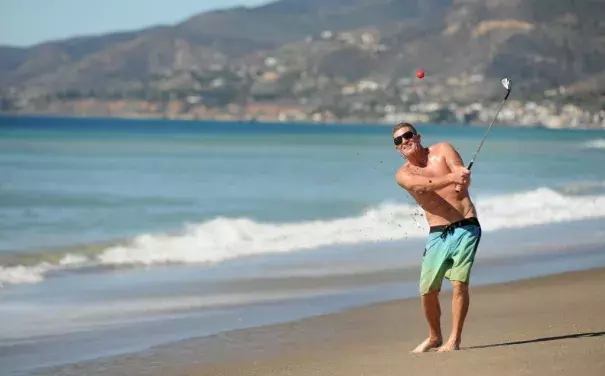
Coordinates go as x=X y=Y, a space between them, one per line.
x=431 y=276
x=460 y=303
x=464 y=258
x=432 y=312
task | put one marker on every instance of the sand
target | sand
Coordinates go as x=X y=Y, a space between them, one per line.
x=553 y=325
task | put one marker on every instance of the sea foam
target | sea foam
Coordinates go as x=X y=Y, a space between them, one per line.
x=599 y=143
x=223 y=238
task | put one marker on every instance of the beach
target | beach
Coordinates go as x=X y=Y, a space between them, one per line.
x=122 y=238
x=543 y=326
x=551 y=325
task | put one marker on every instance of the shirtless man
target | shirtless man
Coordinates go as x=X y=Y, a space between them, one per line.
x=433 y=176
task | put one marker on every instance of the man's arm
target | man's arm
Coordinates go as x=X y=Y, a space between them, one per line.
x=421 y=184
x=452 y=158
x=454 y=161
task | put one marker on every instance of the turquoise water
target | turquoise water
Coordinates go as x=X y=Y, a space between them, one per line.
x=70 y=182
x=118 y=224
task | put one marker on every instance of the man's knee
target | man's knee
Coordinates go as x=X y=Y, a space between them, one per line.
x=459 y=287
x=430 y=294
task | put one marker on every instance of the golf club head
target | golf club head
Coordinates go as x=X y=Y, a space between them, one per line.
x=506 y=83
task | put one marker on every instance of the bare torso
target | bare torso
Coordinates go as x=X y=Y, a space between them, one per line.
x=445 y=205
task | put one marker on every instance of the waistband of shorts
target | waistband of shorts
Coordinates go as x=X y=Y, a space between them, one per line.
x=453 y=225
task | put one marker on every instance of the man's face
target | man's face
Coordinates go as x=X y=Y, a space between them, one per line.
x=406 y=141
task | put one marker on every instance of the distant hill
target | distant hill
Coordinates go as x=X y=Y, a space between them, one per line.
x=540 y=44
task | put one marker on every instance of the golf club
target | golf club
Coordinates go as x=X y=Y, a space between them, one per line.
x=508 y=86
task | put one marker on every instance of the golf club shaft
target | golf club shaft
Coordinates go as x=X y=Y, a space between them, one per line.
x=470 y=165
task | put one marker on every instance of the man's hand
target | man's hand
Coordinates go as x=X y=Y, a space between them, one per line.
x=460 y=176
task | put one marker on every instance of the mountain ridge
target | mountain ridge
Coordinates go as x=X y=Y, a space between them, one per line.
x=313 y=51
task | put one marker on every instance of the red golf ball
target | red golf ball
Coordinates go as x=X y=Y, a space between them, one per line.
x=420 y=74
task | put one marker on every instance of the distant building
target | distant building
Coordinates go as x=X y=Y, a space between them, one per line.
x=327 y=34
x=348 y=90
x=368 y=38
x=367 y=85
x=270 y=76
x=270 y=62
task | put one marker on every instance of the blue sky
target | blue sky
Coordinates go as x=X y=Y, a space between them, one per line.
x=27 y=22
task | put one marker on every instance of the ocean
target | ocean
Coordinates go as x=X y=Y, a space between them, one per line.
x=120 y=235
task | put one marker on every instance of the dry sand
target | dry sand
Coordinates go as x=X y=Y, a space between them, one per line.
x=546 y=326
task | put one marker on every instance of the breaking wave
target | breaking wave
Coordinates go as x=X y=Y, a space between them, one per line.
x=222 y=239
x=599 y=143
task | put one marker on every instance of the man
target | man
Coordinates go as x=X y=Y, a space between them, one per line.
x=438 y=181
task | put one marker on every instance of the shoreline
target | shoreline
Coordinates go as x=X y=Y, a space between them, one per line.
x=543 y=325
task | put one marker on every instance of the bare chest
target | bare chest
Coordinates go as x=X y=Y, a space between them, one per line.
x=435 y=167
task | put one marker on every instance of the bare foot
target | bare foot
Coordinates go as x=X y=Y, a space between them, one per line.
x=449 y=346
x=428 y=344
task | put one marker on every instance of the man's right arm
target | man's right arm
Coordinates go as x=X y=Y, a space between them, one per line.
x=421 y=184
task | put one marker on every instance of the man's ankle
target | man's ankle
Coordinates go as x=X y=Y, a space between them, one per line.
x=454 y=340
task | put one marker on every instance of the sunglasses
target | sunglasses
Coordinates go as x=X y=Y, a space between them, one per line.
x=406 y=136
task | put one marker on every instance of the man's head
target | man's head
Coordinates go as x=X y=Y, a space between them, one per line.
x=407 y=139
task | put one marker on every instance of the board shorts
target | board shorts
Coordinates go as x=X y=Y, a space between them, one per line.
x=450 y=253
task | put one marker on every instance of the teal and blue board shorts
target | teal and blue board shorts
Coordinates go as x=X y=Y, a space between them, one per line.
x=450 y=253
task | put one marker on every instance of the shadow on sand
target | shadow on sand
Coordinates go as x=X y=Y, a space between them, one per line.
x=545 y=339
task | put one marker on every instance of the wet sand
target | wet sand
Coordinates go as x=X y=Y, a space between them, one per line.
x=552 y=325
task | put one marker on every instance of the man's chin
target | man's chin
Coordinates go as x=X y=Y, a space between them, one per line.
x=408 y=151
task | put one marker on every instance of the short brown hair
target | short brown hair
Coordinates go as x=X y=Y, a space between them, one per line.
x=404 y=125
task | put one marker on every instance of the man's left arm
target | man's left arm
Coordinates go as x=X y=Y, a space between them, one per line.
x=453 y=158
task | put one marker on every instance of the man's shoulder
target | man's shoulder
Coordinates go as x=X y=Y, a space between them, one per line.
x=443 y=145
x=404 y=173
x=404 y=167
x=442 y=148
x=403 y=170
